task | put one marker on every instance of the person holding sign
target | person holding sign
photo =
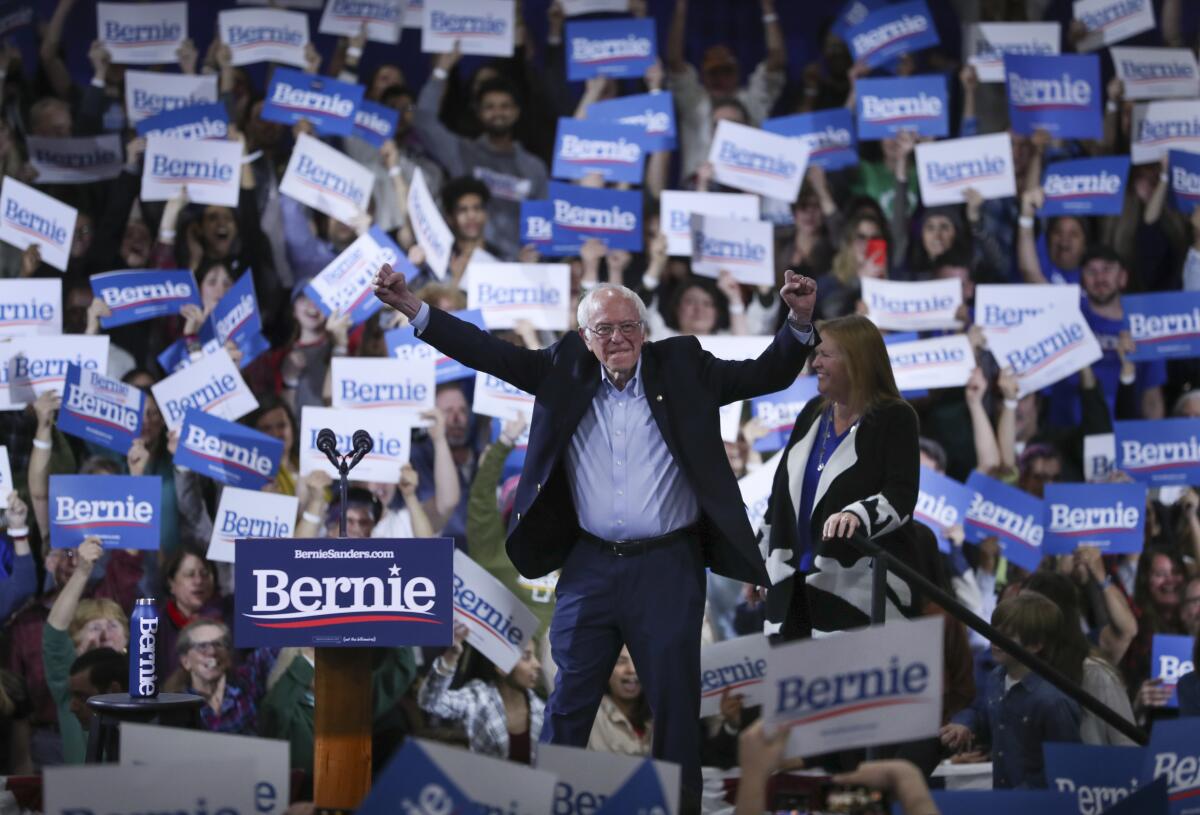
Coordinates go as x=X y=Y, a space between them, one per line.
x=617 y=525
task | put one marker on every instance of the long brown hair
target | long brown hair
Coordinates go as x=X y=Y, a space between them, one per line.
x=866 y=359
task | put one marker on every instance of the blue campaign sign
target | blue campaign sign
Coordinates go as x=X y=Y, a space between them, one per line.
x=403 y=343
x=1095 y=776
x=1159 y=451
x=887 y=106
x=329 y=104
x=828 y=134
x=1152 y=799
x=1170 y=658
x=1010 y=515
x=1110 y=517
x=373 y=592
x=207 y=121
x=537 y=230
x=852 y=13
x=1164 y=325
x=942 y=503
x=641 y=792
x=103 y=411
x=625 y=47
x=1059 y=94
x=653 y=113
x=375 y=123
x=413 y=783
x=134 y=295
x=892 y=30
x=1001 y=802
x=612 y=216
x=1086 y=186
x=236 y=318
x=613 y=151
x=226 y=451
x=121 y=510
x=1185 y=180
x=175 y=356
x=1172 y=755
x=777 y=412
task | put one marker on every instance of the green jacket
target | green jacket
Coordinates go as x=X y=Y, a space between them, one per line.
x=58 y=652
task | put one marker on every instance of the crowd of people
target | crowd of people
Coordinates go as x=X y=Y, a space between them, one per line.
x=483 y=142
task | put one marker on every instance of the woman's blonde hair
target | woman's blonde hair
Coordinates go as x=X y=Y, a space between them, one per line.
x=845 y=262
x=96 y=609
x=866 y=360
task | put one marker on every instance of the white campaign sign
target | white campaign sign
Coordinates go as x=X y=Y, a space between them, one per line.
x=736 y=667
x=510 y=292
x=746 y=249
x=678 y=206
x=1049 y=347
x=495 y=784
x=30 y=306
x=6 y=479
x=498 y=622
x=391 y=431
x=729 y=346
x=939 y=362
x=947 y=168
x=481 y=28
x=212 y=384
x=754 y=160
x=28 y=216
x=1110 y=21
x=495 y=397
x=1099 y=457
x=986 y=44
x=75 y=161
x=327 y=180
x=897 y=305
x=1004 y=306
x=381 y=383
x=212 y=785
x=384 y=19
x=587 y=777
x=36 y=364
x=755 y=488
x=150 y=92
x=1159 y=127
x=142 y=33
x=346 y=281
x=211 y=169
x=250 y=514
x=428 y=225
x=264 y=35
x=878 y=685
x=731 y=421
x=270 y=787
x=1157 y=73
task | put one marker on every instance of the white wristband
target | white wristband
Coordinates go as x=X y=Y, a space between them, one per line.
x=1111 y=106
x=1025 y=222
x=770 y=18
x=650 y=282
x=1163 y=177
x=395 y=171
x=1130 y=379
x=354 y=52
x=291 y=384
x=736 y=308
x=42 y=445
x=19 y=532
x=311 y=518
x=166 y=235
x=1010 y=404
x=440 y=73
x=98 y=82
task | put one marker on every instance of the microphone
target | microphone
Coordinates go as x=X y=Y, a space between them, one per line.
x=327 y=444
x=363 y=444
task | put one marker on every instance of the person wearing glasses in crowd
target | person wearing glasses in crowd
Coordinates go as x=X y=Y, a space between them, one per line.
x=231 y=694
x=626 y=483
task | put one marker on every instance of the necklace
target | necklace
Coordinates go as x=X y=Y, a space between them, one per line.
x=827 y=420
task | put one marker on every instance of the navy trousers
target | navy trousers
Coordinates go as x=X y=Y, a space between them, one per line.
x=653 y=603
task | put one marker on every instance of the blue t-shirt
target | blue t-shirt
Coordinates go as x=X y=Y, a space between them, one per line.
x=817 y=457
x=1053 y=273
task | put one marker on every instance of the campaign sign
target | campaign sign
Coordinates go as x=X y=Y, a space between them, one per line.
x=737 y=667
x=1058 y=94
x=15 y=15
x=1160 y=127
x=1172 y=755
x=391 y=430
x=890 y=31
x=678 y=206
x=828 y=135
x=620 y=48
x=938 y=362
x=1185 y=180
x=100 y=410
x=1012 y=516
x=736 y=347
x=755 y=490
x=375 y=123
x=236 y=319
x=39 y=364
x=148 y=93
x=1164 y=325
x=777 y=412
x=588 y=779
x=384 y=19
x=1004 y=307
x=1099 y=457
x=1001 y=802
x=613 y=151
x=1157 y=73
x=264 y=35
x=1049 y=347
x=537 y=230
x=205 y=121
x=495 y=397
x=344 y=286
x=754 y=160
x=507 y=293
x=210 y=169
x=211 y=384
x=942 y=503
x=913 y=306
x=75 y=161
x=250 y=513
x=887 y=106
x=121 y=510
x=746 y=249
x=380 y=382
x=429 y=228
x=403 y=344
x=134 y=295
x=227 y=452
x=498 y=623
x=852 y=13
x=30 y=306
x=879 y=685
x=1110 y=21
x=574 y=8
x=412 y=782
x=1096 y=776
x=212 y=784
x=142 y=33
x=28 y=216
x=1171 y=658
x=946 y=169
x=6 y=478
x=478 y=29
x=1159 y=451
x=987 y=43
x=652 y=113
x=612 y=216
x=1110 y=517
x=329 y=104
x=1088 y=186
x=375 y=592
x=327 y=180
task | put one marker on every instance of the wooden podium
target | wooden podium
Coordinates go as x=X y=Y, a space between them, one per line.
x=342 y=724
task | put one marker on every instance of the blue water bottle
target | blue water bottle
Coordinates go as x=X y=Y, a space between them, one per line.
x=143 y=650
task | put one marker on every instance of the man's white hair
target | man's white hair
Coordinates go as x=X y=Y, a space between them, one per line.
x=584 y=312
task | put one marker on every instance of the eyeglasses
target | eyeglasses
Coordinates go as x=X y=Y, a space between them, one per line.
x=210 y=647
x=605 y=331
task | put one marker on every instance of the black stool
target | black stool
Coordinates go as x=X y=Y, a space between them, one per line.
x=169 y=709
